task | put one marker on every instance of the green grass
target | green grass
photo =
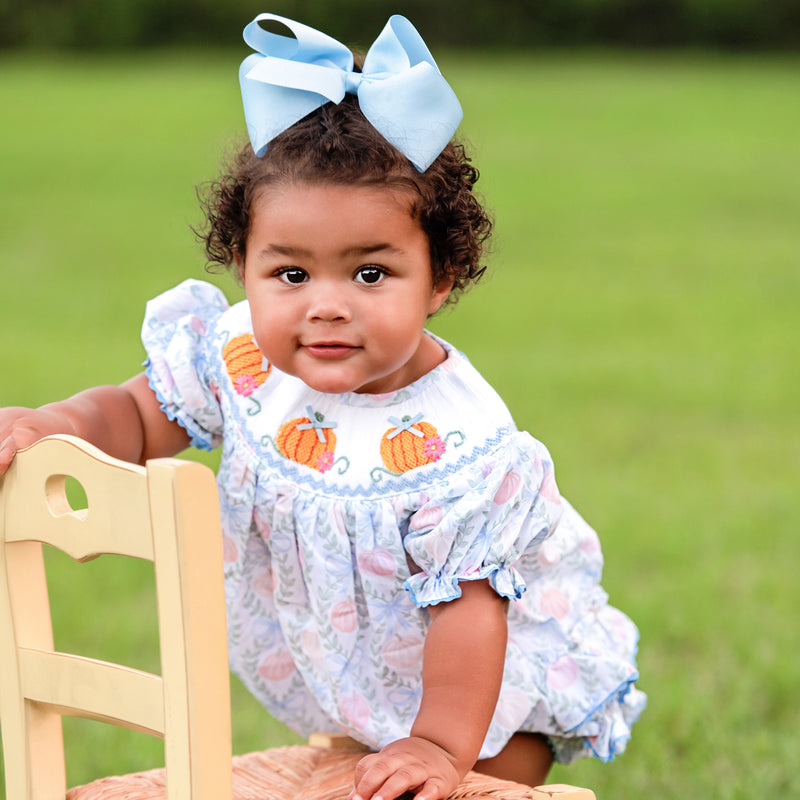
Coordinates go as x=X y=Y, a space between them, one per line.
x=640 y=318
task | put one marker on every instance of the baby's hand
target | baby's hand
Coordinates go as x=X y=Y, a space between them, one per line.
x=408 y=765
x=20 y=427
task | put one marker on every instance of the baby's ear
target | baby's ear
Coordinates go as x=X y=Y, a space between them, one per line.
x=440 y=294
x=238 y=259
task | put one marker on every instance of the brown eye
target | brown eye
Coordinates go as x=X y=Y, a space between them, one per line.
x=370 y=275
x=293 y=275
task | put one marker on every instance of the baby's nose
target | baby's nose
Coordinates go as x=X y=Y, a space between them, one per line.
x=328 y=305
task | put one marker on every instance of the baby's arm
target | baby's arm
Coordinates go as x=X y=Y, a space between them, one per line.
x=124 y=421
x=462 y=672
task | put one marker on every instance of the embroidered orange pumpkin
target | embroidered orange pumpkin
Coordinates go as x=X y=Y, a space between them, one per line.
x=245 y=364
x=410 y=444
x=299 y=441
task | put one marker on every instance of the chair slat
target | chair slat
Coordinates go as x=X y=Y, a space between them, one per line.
x=93 y=689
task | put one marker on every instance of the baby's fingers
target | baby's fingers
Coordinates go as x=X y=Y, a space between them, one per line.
x=13 y=439
x=387 y=777
x=13 y=443
x=433 y=789
x=381 y=785
x=10 y=443
x=21 y=427
x=8 y=449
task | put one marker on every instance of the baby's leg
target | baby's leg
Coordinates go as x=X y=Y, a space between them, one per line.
x=525 y=759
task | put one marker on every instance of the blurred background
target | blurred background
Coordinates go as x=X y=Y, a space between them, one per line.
x=639 y=313
x=515 y=23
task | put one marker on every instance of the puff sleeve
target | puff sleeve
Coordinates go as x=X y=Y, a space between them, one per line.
x=174 y=334
x=481 y=524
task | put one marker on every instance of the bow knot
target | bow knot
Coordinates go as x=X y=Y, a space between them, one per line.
x=353 y=82
x=400 y=89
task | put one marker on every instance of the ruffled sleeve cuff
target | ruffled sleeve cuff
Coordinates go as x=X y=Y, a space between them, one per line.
x=430 y=590
x=507 y=582
x=483 y=523
x=174 y=336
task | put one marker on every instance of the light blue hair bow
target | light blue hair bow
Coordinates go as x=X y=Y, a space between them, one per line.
x=400 y=90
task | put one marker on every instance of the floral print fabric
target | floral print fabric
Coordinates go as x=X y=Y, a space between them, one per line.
x=345 y=516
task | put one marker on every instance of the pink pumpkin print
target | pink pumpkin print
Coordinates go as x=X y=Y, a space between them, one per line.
x=512 y=708
x=549 y=488
x=508 y=488
x=404 y=654
x=591 y=544
x=562 y=673
x=311 y=644
x=426 y=518
x=377 y=562
x=554 y=603
x=344 y=617
x=277 y=667
x=356 y=710
x=230 y=552
x=437 y=546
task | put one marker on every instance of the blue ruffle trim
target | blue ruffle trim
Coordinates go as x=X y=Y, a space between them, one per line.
x=197 y=436
x=430 y=590
x=615 y=744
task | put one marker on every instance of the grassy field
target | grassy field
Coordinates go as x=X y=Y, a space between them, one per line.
x=640 y=317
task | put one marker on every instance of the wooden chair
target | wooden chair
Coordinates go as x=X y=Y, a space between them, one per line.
x=167 y=513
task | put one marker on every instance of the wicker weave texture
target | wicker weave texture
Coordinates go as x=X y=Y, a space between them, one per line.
x=300 y=772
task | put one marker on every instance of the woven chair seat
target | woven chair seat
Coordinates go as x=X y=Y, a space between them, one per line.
x=297 y=772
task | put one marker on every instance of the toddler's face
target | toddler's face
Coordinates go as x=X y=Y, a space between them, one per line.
x=339 y=283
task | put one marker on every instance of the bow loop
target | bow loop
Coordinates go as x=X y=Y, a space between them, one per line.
x=400 y=90
x=398 y=47
x=308 y=45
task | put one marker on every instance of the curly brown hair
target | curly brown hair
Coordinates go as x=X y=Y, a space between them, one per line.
x=336 y=144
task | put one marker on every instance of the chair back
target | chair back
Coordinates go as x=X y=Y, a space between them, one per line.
x=166 y=512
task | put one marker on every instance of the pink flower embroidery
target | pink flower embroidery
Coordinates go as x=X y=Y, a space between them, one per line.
x=325 y=461
x=433 y=448
x=245 y=385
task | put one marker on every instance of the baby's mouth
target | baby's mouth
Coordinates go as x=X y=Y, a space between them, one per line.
x=330 y=349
